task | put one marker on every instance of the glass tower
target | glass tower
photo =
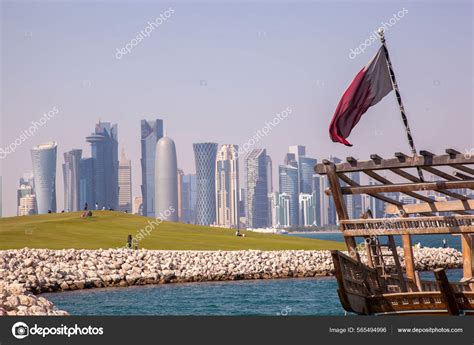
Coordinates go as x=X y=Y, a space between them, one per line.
x=104 y=150
x=151 y=132
x=289 y=183
x=205 y=159
x=44 y=170
x=257 y=189
x=71 y=173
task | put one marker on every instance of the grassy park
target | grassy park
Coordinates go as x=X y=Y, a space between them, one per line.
x=108 y=229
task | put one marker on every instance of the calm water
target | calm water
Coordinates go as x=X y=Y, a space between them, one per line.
x=313 y=296
x=435 y=241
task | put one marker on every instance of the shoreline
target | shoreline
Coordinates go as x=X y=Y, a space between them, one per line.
x=26 y=273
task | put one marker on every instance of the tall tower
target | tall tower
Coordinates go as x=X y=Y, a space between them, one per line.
x=257 y=189
x=205 y=159
x=166 y=180
x=180 y=194
x=151 y=132
x=189 y=198
x=44 y=170
x=104 y=150
x=227 y=186
x=87 y=183
x=289 y=185
x=71 y=174
x=125 y=184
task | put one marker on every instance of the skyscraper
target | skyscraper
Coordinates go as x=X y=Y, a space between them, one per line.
x=44 y=170
x=326 y=203
x=151 y=132
x=180 y=194
x=308 y=209
x=298 y=151
x=205 y=159
x=125 y=184
x=306 y=170
x=166 y=180
x=281 y=210
x=104 y=150
x=288 y=181
x=257 y=189
x=227 y=186
x=26 y=198
x=87 y=183
x=189 y=198
x=138 y=205
x=72 y=183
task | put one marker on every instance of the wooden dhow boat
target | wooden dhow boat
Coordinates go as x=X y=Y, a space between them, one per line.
x=381 y=285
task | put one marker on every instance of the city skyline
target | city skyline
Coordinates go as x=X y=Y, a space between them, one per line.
x=229 y=98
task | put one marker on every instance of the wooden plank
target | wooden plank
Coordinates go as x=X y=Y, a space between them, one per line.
x=438 y=206
x=340 y=205
x=408 y=162
x=467 y=256
x=413 y=178
x=446 y=291
x=350 y=182
x=383 y=180
x=409 y=258
x=398 y=266
x=440 y=173
x=340 y=280
x=465 y=169
x=407 y=187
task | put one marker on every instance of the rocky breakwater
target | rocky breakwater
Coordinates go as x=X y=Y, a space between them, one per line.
x=44 y=270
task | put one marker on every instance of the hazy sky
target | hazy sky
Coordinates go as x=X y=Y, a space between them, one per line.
x=218 y=71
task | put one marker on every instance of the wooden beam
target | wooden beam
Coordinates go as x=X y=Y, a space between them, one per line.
x=340 y=204
x=409 y=258
x=463 y=168
x=350 y=182
x=438 y=206
x=440 y=173
x=462 y=176
x=413 y=178
x=408 y=162
x=407 y=187
x=447 y=291
x=411 y=231
x=383 y=180
x=467 y=256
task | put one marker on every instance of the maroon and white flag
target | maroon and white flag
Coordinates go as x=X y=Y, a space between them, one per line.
x=369 y=86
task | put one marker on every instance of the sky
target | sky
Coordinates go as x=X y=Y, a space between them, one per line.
x=219 y=71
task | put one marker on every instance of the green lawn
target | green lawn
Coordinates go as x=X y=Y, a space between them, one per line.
x=107 y=229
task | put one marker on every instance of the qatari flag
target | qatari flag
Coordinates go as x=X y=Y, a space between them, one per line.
x=369 y=86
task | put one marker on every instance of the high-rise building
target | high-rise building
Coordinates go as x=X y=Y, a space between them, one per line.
x=151 y=132
x=166 y=180
x=72 y=183
x=317 y=198
x=281 y=210
x=326 y=203
x=308 y=209
x=353 y=202
x=138 y=205
x=87 y=183
x=125 y=184
x=289 y=183
x=257 y=189
x=306 y=170
x=26 y=198
x=205 y=159
x=298 y=151
x=180 y=194
x=44 y=170
x=104 y=150
x=227 y=187
x=269 y=175
x=189 y=198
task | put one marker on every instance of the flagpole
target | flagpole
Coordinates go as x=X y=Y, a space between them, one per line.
x=399 y=100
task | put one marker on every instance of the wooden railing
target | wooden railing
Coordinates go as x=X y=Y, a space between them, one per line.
x=399 y=226
x=417 y=301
